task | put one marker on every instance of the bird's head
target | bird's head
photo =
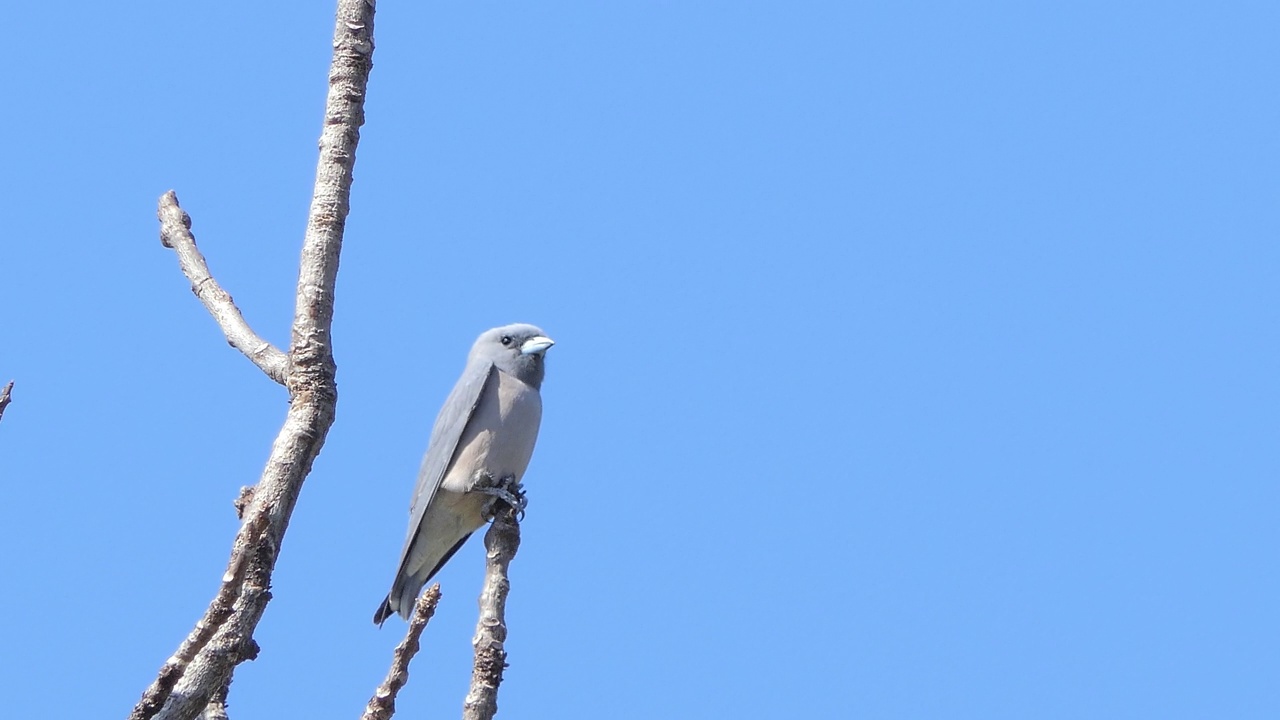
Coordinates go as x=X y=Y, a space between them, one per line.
x=517 y=350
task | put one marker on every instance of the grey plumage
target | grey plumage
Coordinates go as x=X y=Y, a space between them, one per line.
x=488 y=425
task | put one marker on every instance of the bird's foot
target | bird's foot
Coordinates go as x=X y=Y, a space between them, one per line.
x=505 y=489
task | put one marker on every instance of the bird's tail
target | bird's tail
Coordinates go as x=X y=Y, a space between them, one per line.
x=384 y=611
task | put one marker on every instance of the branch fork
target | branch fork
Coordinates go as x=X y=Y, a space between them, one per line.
x=195 y=679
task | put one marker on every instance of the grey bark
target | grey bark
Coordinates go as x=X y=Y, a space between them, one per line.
x=501 y=542
x=204 y=662
x=383 y=703
x=217 y=707
x=175 y=232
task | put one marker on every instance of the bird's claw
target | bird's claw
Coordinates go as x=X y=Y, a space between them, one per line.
x=506 y=490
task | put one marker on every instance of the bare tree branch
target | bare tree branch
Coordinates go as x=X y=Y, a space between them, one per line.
x=383 y=703
x=175 y=232
x=224 y=636
x=4 y=397
x=501 y=542
x=219 y=610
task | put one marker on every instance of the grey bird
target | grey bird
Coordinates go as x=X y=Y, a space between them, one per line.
x=484 y=434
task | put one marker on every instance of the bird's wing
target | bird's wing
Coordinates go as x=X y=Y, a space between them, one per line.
x=450 y=423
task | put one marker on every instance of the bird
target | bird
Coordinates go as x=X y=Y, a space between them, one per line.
x=484 y=433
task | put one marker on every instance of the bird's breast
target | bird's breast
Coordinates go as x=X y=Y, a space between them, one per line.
x=501 y=434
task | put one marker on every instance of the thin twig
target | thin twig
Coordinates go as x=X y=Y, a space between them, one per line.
x=175 y=232
x=383 y=703
x=222 y=639
x=501 y=542
x=4 y=397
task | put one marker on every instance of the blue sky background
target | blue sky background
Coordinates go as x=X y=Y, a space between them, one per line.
x=915 y=360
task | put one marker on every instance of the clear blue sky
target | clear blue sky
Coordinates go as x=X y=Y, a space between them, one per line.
x=915 y=360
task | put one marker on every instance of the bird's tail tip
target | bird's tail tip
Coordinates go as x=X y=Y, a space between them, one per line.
x=384 y=611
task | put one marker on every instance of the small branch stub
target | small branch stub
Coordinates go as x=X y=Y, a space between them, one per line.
x=241 y=503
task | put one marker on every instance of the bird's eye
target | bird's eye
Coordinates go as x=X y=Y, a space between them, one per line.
x=506 y=339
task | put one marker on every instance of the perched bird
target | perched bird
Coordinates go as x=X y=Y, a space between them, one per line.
x=484 y=434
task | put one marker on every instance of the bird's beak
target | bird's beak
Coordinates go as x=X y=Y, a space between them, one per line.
x=537 y=344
